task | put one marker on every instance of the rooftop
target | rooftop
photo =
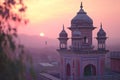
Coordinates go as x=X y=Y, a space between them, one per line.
x=115 y=54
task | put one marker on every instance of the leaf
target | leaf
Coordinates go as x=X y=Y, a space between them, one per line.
x=14 y=29
x=11 y=2
x=12 y=45
x=9 y=27
x=15 y=34
x=22 y=9
x=11 y=42
x=14 y=18
x=5 y=43
x=6 y=13
x=26 y=21
x=1 y=10
x=0 y=25
x=21 y=1
x=19 y=20
x=20 y=46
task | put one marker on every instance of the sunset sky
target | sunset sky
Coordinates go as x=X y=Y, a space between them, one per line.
x=48 y=16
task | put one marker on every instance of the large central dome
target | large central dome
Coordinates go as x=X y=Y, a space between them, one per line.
x=82 y=19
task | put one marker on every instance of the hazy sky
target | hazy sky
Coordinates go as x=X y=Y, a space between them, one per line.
x=48 y=16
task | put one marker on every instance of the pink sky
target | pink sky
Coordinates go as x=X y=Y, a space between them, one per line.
x=48 y=16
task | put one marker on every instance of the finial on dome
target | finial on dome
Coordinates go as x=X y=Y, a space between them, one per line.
x=81 y=5
x=101 y=25
x=63 y=26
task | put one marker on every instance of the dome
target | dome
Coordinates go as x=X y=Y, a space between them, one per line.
x=82 y=19
x=76 y=33
x=63 y=33
x=101 y=32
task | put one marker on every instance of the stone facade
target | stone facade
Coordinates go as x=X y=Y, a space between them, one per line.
x=81 y=59
x=115 y=61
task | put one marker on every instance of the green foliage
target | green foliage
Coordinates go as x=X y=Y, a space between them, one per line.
x=12 y=67
x=7 y=68
x=32 y=72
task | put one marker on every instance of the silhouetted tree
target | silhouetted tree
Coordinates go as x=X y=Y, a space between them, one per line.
x=12 y=57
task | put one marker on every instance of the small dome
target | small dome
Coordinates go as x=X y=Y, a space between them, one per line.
x=63 y=33
x=82 y=18
x=101 y=32
x=76 y=33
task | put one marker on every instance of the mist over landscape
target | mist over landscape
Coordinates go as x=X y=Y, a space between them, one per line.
x=59 y=40
x=37 y=42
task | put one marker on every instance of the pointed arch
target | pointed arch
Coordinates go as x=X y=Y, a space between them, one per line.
x=90 y=70
x=85 y=39
x=68 y=69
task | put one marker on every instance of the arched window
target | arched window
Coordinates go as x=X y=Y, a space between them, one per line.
x=85 y=39
x=68 y=72
x=63 y=46
x=90 y=70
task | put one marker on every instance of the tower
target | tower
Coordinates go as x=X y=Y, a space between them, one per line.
x=81 y=59
x=63 y=37
x=101 y=38
x=81 y=28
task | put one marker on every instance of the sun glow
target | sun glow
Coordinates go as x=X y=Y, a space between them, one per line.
x=41 y=10
x=42 y=34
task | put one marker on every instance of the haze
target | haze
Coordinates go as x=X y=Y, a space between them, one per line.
x=48 y=16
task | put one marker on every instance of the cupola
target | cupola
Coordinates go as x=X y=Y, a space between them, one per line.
x=63 y=33
x=101 y=32
x=82 y=19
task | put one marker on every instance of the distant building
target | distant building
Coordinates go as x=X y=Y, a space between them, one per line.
x=48 y=68
x=115 y=61
x=81 y=59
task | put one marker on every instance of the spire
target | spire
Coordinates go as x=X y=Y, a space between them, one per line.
x=101 y=25
x=81 y=5
x=63 y=33
x=63 y=26
x=81 y=11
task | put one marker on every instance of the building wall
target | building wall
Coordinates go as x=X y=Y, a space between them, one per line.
x=85 y=33
x=79 y=62
x=115 y=61
x=88 y=34
x=115 y=64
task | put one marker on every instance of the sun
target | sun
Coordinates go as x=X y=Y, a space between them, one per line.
x=42 y=34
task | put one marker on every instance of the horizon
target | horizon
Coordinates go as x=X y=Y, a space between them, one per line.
x=58 y=12
x=35 y=41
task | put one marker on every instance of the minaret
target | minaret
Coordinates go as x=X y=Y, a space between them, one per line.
x=63 y=37
x=101 y=38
